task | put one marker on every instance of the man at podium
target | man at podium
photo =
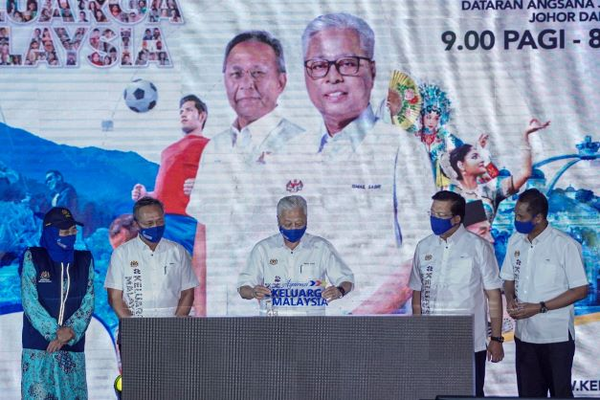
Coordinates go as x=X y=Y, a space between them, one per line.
x=294 y=272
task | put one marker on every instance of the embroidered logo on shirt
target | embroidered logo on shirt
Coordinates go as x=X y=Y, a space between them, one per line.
x=428 y=257
x=276 y=283
x=133 y=264
x=517 y=253
x=273 y=261
x=45 y=277
x=294 y=186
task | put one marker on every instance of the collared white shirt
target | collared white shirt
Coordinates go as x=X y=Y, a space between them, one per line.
x=349 y=139
x=267 y=135
x=296 y=277
x=543 y=269
x=452 y=276
x=151 y=281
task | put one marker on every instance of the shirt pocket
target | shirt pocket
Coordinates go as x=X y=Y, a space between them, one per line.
x=549 y=276
x=309 y=271
x=170 y=280
x=460 y=271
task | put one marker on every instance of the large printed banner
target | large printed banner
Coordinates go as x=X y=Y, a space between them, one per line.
x=427 y=94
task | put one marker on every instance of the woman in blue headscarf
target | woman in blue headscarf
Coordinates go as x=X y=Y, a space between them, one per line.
x=57 y=286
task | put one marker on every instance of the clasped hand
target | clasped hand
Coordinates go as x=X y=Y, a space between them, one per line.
x=63 y=335
x=519 y=310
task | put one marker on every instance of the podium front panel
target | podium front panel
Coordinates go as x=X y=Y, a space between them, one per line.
x=379 y=357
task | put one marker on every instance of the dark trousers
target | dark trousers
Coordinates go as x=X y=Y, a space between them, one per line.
x=480 y=359
x=545 y=367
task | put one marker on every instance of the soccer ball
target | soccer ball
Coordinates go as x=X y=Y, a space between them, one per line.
x=140 y=95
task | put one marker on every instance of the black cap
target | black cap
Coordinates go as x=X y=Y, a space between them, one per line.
x=474 y=212
x=60 y=217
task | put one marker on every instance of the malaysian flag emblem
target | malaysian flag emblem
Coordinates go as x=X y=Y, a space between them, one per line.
x=294 y=186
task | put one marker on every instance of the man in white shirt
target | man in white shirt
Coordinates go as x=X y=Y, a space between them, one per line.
x=255 y=76
x=150 y=276
x=543 y=276
x=454 y=271
x=371 y=181
x=288 y=272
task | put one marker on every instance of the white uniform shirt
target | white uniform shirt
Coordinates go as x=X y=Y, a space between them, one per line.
x=542 y=270
x=452 y=276
x=151 y=281
x=296 y=277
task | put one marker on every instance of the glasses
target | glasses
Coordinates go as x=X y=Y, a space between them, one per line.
x=346 y=66
x=439 y=215
x=255 y=74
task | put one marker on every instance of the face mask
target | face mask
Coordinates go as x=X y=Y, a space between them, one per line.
x=66 y=242
x=524 y=227
x=154 y=234
x=439 y=226
x=292 y=235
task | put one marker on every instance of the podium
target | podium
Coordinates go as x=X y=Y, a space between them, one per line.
x=351 y=357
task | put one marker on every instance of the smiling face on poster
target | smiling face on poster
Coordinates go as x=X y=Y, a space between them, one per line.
x=253 y=80
x=339 y=76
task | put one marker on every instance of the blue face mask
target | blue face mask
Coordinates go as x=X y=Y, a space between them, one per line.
x=292 y=235
x=60 y=248
x=153 y=235
x=67 y=242
x=439 y=226
x=524 y=227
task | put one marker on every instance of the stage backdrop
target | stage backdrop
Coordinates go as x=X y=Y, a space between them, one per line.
x=90 y=96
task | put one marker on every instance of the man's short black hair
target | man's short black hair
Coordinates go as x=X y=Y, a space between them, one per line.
x=199 y=104
x=458 y=202
x=146 y=201
x=257 y=36
x=536 y=202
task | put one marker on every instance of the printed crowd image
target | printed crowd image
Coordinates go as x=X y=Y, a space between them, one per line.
x=171 y=159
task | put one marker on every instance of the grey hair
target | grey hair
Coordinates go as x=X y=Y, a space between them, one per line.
x=257 y=36
x=341 y=21
x=291 y=203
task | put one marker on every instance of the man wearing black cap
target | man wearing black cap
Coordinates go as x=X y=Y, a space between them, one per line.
x=57 y=286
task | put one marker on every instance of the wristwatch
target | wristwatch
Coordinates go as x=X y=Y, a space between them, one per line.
x=499 y=339
x=342 y=290
x=543 y=308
